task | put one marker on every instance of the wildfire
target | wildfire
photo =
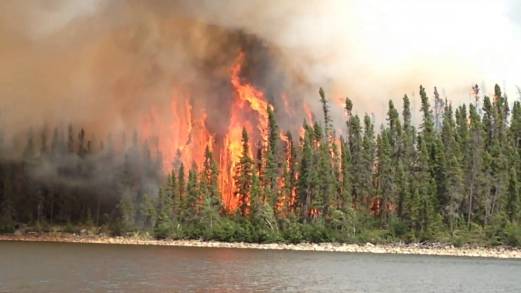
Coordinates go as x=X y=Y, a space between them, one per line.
x=247 y=96
x=309 y=113
x=181 y=134
x=249 y=110
x=182 y=131
x=289 y=110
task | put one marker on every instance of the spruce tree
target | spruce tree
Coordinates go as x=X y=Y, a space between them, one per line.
x=192 y=207
x=438 y=110
x=453 y=175
x=243 y=175
x=367 y=166
x=306 y=173
x=172 y=191
x=424 y=205
x=328 y=123
x=148 y=210
x=210 y=180
x=462 y=131
x=349 y=115
x=211 y=205
x=346 y=180
x=346 y=160
x=328 y=162
x=256 y=202
x=127 y=212
x=513 y=199
x=432 y=143
x=515 y=130
x=272 y=159
x=290 y=178
x=406 y=162
x=474 y=177
x=181 y=184
x=490 y=150
x=395 y=130
x=357 y=159
x=515 y=145
x=323 y=198
x=496 y=156
x=163 y=227
x=316 y=202
x=397 y=158
x=427 y=124
x=386 y=186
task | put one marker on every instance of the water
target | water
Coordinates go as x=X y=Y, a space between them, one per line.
x=56 y=267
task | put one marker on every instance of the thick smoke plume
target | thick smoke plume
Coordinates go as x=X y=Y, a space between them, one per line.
x=103 y=64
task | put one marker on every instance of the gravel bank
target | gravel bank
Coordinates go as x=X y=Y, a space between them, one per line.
x=418 y=249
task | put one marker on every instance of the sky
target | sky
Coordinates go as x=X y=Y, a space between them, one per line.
x=369 y=50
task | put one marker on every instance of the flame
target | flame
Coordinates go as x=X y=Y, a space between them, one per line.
x=181 y=131
x=249 y=110
x=314 y=213
x=289 y=110
x=248 y=96
x=309 y=114
x=180 y=134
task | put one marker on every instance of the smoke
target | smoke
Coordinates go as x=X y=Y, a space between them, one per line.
x=103 y=64
x=375 y=50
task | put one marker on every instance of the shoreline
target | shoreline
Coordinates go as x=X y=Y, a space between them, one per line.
x=398 y=248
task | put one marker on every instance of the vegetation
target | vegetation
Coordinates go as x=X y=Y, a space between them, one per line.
x=454 y=178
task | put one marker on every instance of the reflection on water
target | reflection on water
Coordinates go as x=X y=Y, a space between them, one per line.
x=54 y=267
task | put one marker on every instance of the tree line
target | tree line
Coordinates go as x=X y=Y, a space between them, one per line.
x=452 y=177
x=64 y=176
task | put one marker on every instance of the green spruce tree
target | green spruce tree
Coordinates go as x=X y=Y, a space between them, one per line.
x=243 y=175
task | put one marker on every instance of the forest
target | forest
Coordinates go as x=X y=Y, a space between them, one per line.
x=453 y=176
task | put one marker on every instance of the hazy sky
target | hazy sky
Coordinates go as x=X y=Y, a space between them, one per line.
x=397 y=35
x=369 y=50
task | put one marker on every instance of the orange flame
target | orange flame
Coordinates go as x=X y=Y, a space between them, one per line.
x=249 y=110
x=309 y=114
x=182 y=132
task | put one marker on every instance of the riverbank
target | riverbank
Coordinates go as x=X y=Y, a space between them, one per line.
x=399 y=248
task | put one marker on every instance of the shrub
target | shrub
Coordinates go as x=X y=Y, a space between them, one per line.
x=292 y=232
x=316 y=232
x=512 y=235
x=495 y=232
x=372 y=235
x=398 y=228
x=224 y=230
x=7 y=227
x=163 y=229
x=246 y=232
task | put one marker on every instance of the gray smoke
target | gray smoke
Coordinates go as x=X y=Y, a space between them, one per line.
x=102 y=64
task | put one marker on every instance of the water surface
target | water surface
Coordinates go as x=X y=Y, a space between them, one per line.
x=60 y=267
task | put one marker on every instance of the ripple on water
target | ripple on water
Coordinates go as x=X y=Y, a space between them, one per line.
x=58 y=267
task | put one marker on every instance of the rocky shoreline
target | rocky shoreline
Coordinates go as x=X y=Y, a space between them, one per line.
x=398 y=248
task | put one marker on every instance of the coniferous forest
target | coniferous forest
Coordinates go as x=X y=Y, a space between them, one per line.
x=452 y=176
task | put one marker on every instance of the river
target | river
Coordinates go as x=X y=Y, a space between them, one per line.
x=62 y=267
